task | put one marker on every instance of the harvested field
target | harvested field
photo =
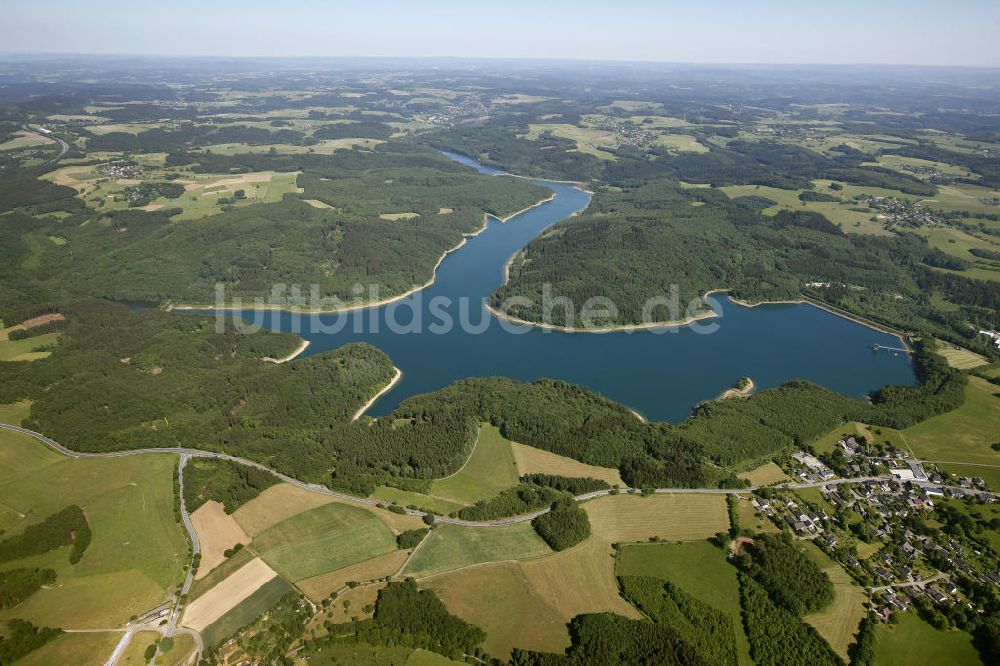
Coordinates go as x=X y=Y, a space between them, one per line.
x=765 y=475
x=217 y=531
x=530 y=460
x=839 y=621
x=227 y=595
x=322 y=586
x=275 y=504
x=41 y=320
x=392 y=217
x=528 y=604
x=671 y=517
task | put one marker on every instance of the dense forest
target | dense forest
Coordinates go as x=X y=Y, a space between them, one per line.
x=564 y=526
x=223 y=481
x=791 y=579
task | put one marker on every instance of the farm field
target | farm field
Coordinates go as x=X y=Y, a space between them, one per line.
x=228 y=594
x=489 y=470
x=765 y=475
x=963 y=359
x=323 y=539
x=452 y=547
x=137 y=552
x=27 y=349
x=671 y=517
x=840 y=213
x=248 y=610
x=588 y=140
x=217 y=532
x=133 y=654
x=89 y=649
x=698 y=568
x=322 y=586
x=963 y=435
x=277 y=503
x=528 y=604
x=14 y=413
x=227 y=568
x=838 y=622
x=896 y=645
x=530 y=460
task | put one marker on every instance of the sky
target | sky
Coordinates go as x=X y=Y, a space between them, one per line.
x=917 y=32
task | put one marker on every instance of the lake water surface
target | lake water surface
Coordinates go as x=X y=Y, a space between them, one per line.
x=661 y=375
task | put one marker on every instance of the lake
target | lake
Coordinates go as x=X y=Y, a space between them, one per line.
x=661 y=374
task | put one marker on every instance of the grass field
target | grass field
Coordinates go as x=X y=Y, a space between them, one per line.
x=200 y=198
x=133 y=654
x=588 y=140
x=530 y=460
x=323 y=539
x=963 y=359
x=489 y=470
x=277 y=503
x=451 y=547
x=90 y=649
x=499 y=599
x=898 y=645
x=322 y=586
x=137 y=552
x=962 y=435
x=765 y=475
x=528 y=604
x=245 y=612
x=27 y=349
x=828 y=442
x=681 y=143
x=838 y=622
x=840 y=213
x=698 y=568
x=672 y=517
x=423 y=502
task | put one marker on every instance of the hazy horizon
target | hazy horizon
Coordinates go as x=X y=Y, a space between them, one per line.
x=770 y=32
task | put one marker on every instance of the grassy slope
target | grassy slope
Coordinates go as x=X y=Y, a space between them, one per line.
x=699 y=568
x=489 y=470
x=323 y=539
x=898 y=645
x=838 y=622
x=77 y=649
x=137 y=551
x=965 y=434
x=451 y=547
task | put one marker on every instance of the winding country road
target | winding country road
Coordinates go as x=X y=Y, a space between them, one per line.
x=187 y=453
x=62 y=144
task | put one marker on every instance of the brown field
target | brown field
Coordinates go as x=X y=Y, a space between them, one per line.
x=217 y=531
x=322 y=586
x=42 y=319
x=350 y=605
x=530 y=460
x=528 y=604
x=392 y=217
x=222 y=598
x=671 y=517
x=765 y=475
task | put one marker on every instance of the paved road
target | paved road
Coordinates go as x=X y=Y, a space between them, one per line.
x=917 y=583
x=62 y=144
x=323 y=490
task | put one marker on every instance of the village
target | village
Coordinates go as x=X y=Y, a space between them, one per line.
x=900 y=527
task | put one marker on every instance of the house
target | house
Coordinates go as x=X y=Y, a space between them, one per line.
x=937 y=595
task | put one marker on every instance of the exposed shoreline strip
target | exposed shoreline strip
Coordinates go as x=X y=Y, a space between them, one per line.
x=392 y=382
x=285 y=359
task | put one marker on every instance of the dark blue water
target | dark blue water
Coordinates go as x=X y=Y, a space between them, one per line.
x=661 y=375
